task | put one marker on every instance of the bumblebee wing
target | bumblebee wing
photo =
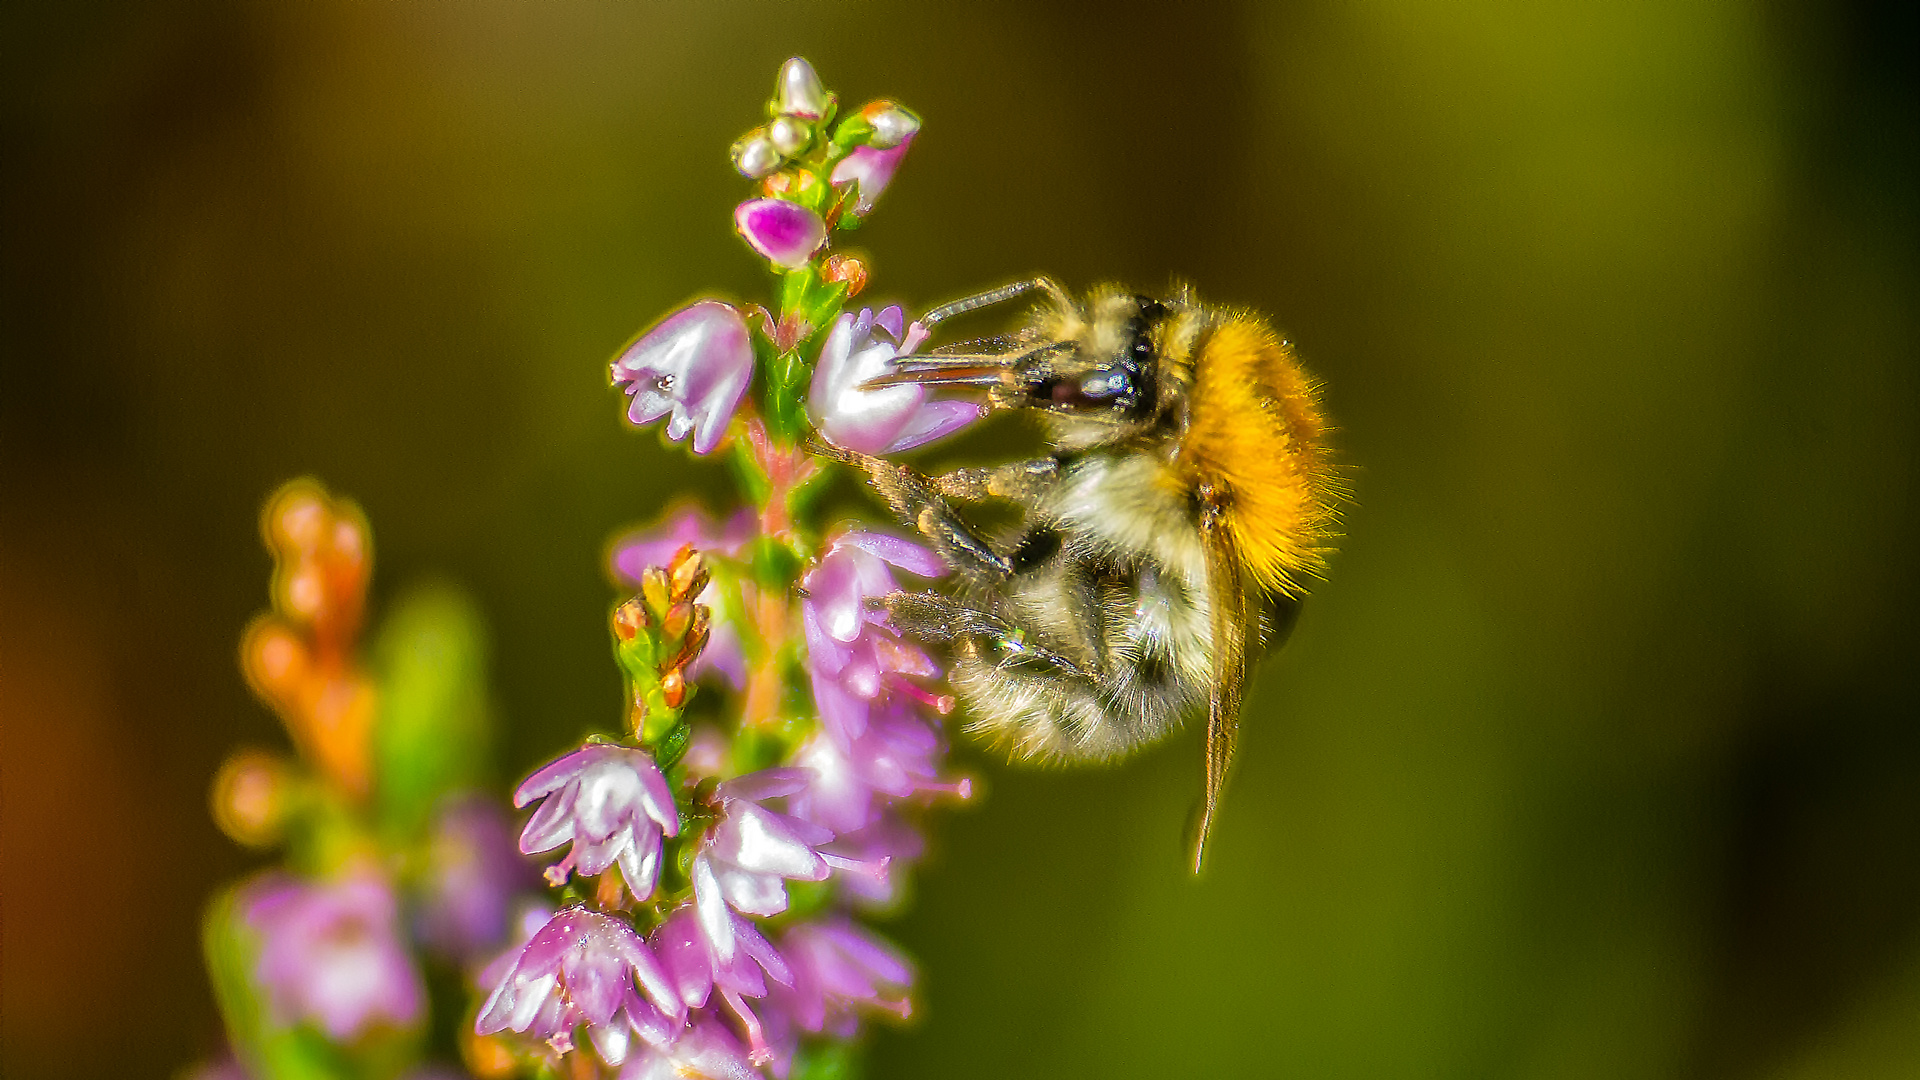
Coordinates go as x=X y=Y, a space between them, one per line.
x=1228 y=603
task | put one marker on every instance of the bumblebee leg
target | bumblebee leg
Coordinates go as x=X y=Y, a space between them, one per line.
x=933 y=617
x=915 y=501
x=1019 y=481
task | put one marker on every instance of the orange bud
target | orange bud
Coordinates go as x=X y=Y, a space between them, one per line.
x=653 y=588
x=679 y=618
x=296 y=517
x=629 y=619
x=673 y=688
x=609 y=892
x=849 y=269
x=250 y=797
x=689 y=573
x=274 y=659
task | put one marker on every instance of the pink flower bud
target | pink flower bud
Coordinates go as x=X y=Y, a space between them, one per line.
x=785 y=232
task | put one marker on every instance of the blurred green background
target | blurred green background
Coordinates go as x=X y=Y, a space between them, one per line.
x=1595 y=757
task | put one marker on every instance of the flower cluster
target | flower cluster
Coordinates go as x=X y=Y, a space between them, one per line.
x=713 y=858
x=394 y=862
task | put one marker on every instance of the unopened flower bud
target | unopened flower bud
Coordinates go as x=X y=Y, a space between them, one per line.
x=892 y=125
x=250 y=797
x=673 y=688
x=755 y=156
x=679 y=618
x=799 y=92
x=629 y=619
x=688 y=572
x=653 y=587
x=848 y=269
x=789 y=135
x=785 y=232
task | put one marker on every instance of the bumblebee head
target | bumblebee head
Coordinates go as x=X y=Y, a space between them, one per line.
x=1099 y=372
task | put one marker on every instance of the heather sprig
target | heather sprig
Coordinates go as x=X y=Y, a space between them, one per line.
x=393 y=863
x=720 y=854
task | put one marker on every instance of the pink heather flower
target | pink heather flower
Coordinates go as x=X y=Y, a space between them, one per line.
x=473 y=874
x=853 y=656
x=896 y=756
x=656 y=544
x=873 y=168
x=706 y=1050
x=747 y=858
x=582 y=967
x=612 y=803
x=696 y=969
x=840 y=969
x=783 y=231
x=884 y=421
x=330 y=953
x=695 y=365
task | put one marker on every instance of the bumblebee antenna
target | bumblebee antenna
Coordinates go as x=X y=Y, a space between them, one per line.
x=991 y=297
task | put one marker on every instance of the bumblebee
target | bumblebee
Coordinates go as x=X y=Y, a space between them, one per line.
x=1187 y=496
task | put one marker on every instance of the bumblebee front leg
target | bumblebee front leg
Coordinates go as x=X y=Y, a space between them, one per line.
x=1017 y=481
x=916 y=501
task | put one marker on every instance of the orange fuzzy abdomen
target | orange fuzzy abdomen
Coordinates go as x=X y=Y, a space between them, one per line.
x=1254 y=445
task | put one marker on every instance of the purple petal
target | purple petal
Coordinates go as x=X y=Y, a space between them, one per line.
x=892 y=320
x=696 y=363
x=825 y=654
x=765 y=784
x=763 y=953
x=654 y=981
x=844 y=714
x=844 y=411
x=710 y=904
x=554 y=774
x=785 y=232
x=873 y=169
x=551 y=824
x=753 y=893
x=708 y=1051
x=682 y=949
x=934 y=420
x=656 y=544
x=904 y=554
x=640 y=863
x=593 y=857
x=757 y=839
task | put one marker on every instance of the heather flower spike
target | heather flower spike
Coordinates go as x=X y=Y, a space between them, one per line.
x=689 y=829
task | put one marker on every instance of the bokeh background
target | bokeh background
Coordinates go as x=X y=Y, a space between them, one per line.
x=1595 y=757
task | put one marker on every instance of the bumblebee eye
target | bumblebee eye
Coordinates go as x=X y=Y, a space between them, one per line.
x=1101 y=389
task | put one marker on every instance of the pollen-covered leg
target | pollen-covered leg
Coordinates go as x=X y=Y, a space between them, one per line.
x=1019 y=481
x=933 y=617
x=915 y=501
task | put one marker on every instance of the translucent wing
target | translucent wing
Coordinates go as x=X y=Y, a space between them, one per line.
x=1232 y=615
